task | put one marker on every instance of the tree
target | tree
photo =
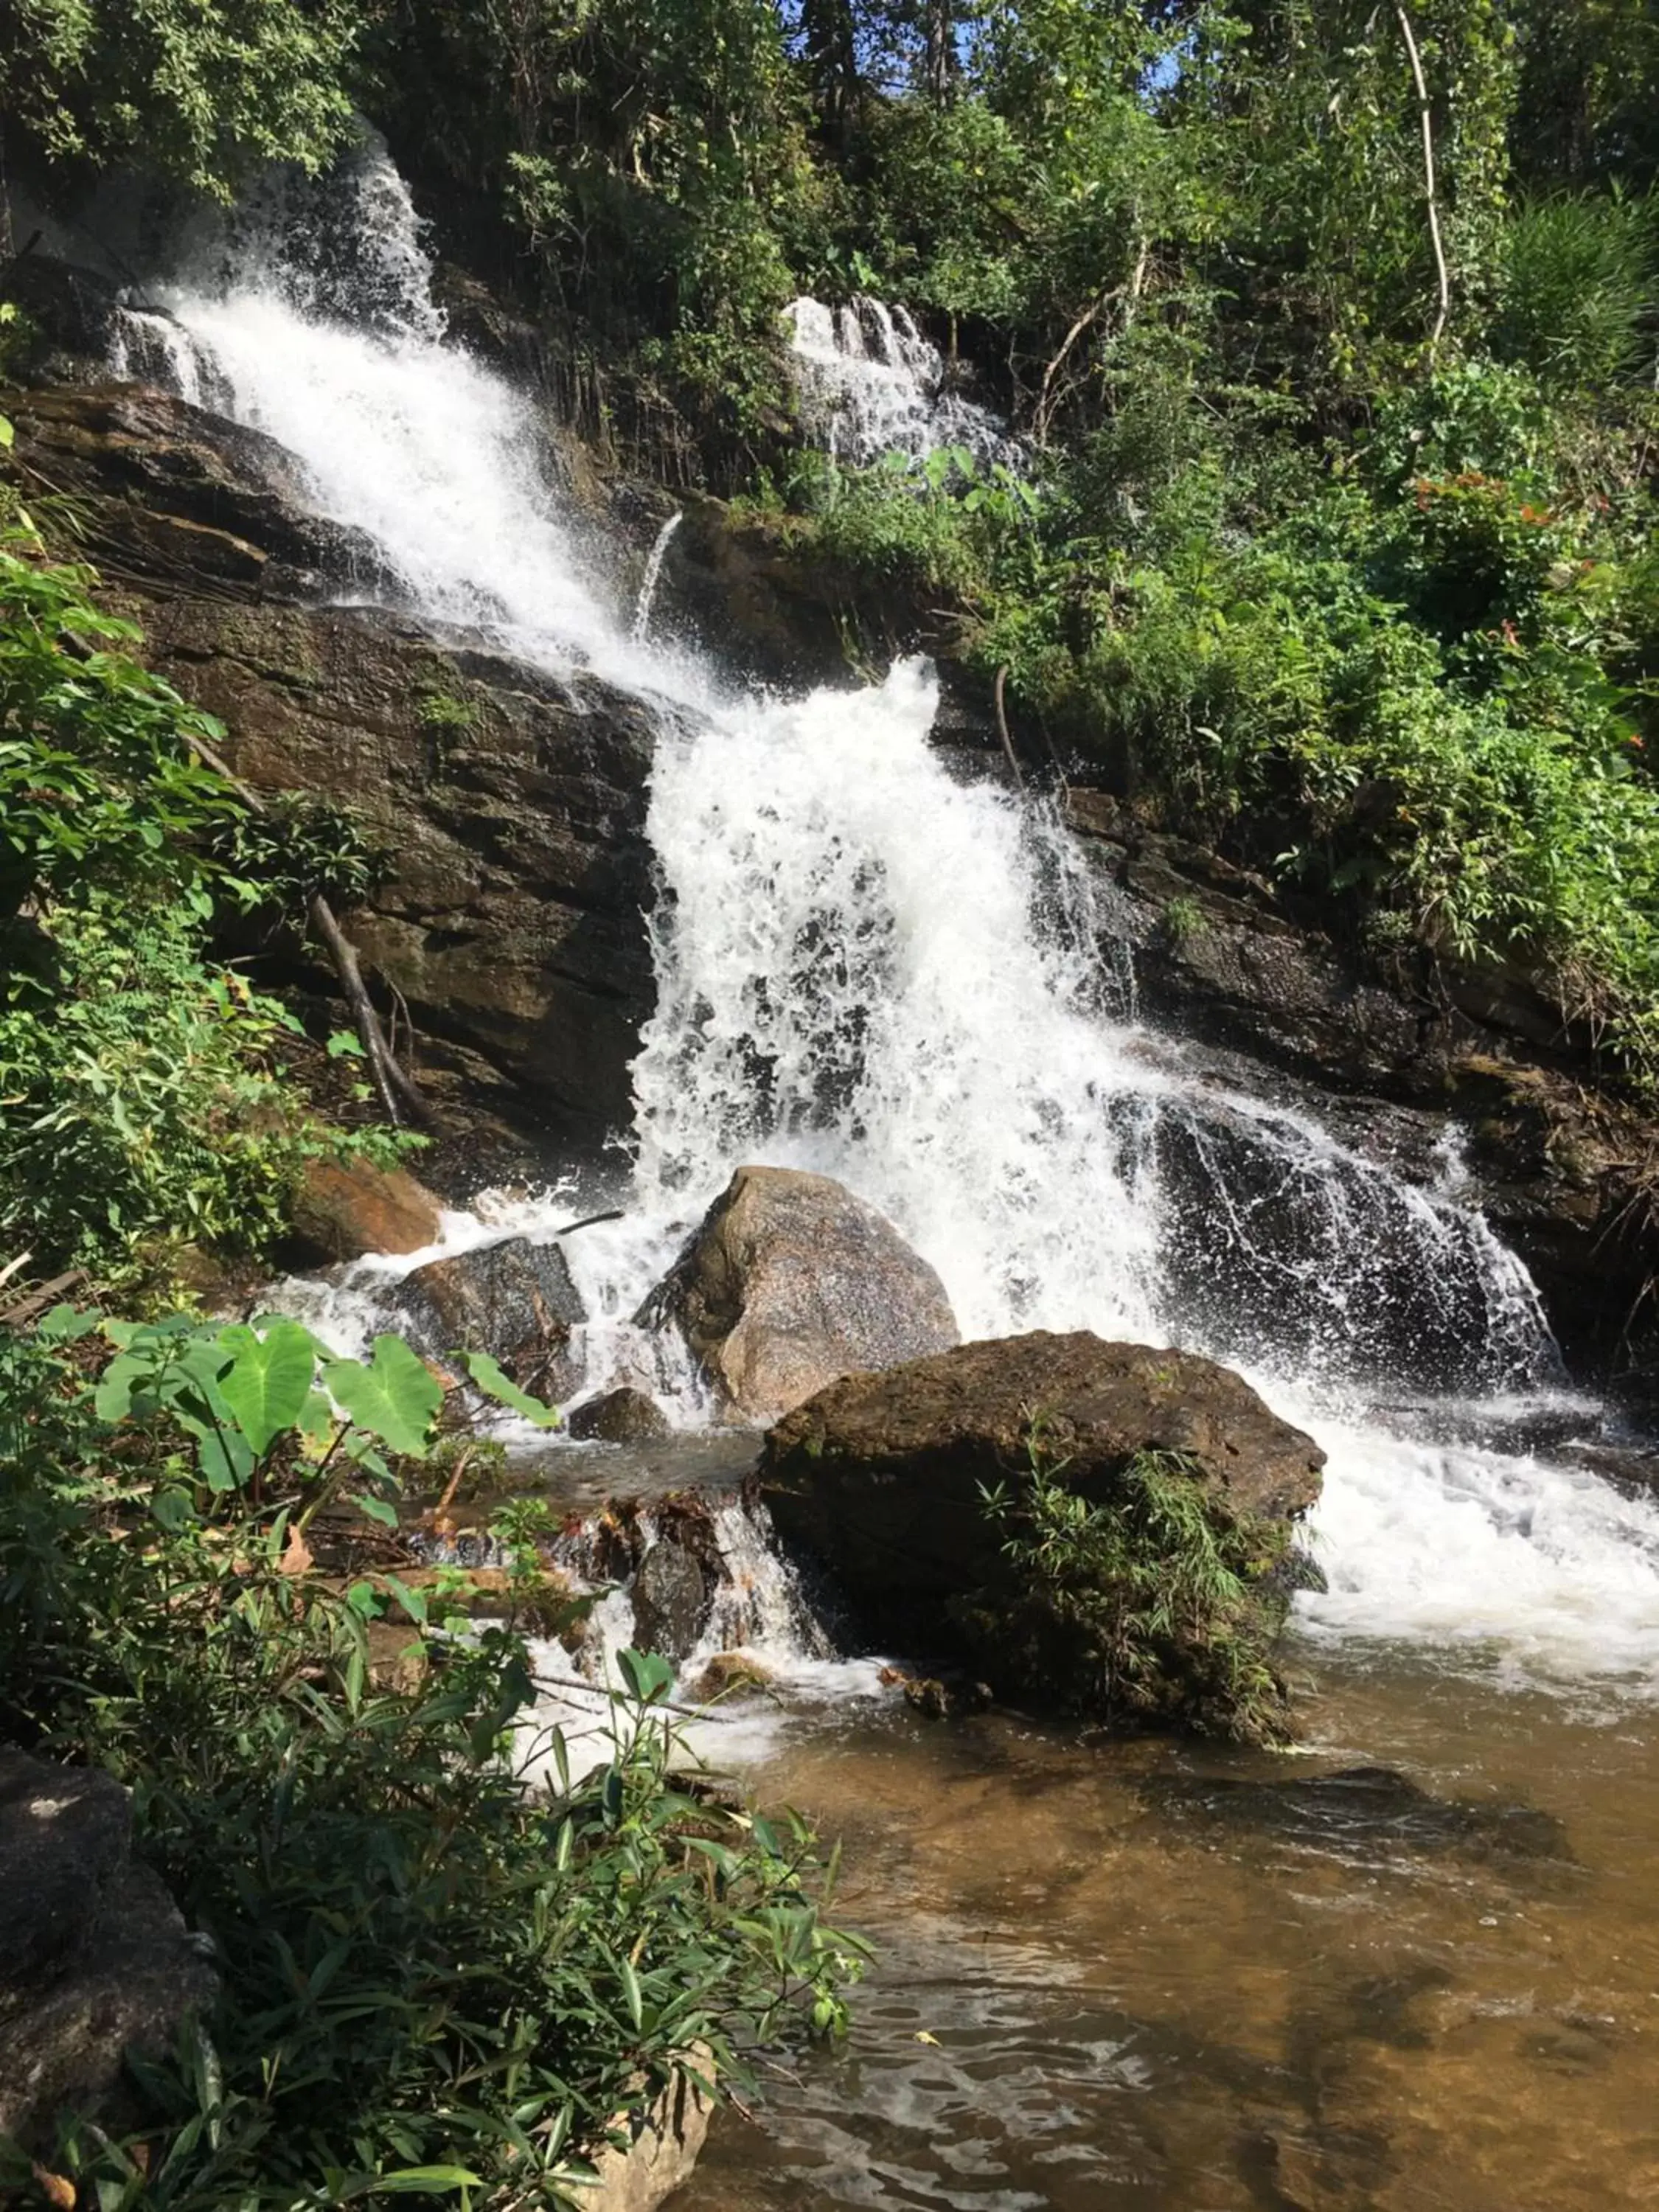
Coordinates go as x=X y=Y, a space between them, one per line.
x=203 y=91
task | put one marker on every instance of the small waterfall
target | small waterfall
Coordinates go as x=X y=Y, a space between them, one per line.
x=752 y=1611
x=648 y=583
x=871 y=383
x=868 y=968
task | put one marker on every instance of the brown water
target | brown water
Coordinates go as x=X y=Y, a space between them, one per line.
x=1187 y=1980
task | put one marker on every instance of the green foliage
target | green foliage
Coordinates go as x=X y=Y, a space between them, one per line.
x=142 y=1100
x=438 y=1977
x=1145 y=1607
x=1579 y=282
x=203 y=91
x=299 y=847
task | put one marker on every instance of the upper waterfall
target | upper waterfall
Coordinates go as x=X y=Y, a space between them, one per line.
x=872 y=383
x=867 y=967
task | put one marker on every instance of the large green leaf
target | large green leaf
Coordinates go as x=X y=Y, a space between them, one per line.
x=268 y=1380
x=495 y=1382
x=393 y=1397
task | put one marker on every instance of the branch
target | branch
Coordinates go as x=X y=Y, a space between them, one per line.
x=1427 y=120
x=1002 y=727
x=397 y=1091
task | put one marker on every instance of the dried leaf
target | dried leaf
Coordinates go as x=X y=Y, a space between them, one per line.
x=57 y=2188
x=296 y=1557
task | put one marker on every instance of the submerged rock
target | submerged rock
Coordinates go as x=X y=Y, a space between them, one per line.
x=513 y=1299
x=623 y=1416
x=883 y=1479
x=1361 y=1812
x=94 y=1959
x=790 y=1282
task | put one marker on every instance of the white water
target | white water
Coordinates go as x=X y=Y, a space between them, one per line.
x=871 y=384
x=653 y=577
x=868 y=968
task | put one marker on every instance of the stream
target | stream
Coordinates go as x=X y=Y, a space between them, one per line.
x=1416 y=1965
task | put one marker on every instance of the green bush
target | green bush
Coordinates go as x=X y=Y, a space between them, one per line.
x=143 y=1102
x=1147 y=1608
x=437 y=1980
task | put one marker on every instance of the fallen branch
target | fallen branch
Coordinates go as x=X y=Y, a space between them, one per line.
x=1002 y=727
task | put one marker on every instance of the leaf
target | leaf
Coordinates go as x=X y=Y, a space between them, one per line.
x=224 y=1456
x=630 y=1982
x=393 y=1397
x=172 y=1510
x=56 y=2188
x=408 y=2179
x=269 y=1382
x=375 y=1508
x=117 y=1384
x=296 y=1557
x=922 y=2036
x=497 y=1384
x=648 y=1676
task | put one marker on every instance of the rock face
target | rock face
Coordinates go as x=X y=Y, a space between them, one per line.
x=93 y=1956
x=513 y=1299
x=879 y=1475
x=1394 y=1066
x=512 y=804
x=791 y=1281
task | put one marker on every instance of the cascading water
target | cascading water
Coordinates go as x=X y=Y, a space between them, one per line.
x=871 y=384
x=868 y=968
x=653 y=577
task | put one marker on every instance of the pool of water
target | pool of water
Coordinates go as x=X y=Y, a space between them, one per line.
x=1414 y=1965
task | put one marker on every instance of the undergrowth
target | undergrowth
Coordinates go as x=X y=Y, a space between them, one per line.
x=438 y=1980
x=1145 y=1608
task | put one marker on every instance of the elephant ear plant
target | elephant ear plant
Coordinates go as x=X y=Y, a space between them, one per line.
x=438 y=1980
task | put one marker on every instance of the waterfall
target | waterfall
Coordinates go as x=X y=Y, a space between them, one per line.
x=871 y=383
x=868 y=968
x=648 y=583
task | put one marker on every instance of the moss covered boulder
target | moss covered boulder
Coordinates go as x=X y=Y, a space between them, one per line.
x=1099 y=1528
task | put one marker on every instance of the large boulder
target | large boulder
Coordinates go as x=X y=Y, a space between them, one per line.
x=95 y=1960
x=883 y=1478
x=513 y=1299
x=791 y=1281
x=346 y=1208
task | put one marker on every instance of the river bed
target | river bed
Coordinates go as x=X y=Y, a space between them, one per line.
x=1190 y=1979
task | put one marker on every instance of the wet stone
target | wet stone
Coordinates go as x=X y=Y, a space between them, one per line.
x=623 y=1416
x=672 y=1601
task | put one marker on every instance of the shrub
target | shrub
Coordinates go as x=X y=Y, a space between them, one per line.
x=436 y=1978
x=143 y=1102
x=1147 y=1608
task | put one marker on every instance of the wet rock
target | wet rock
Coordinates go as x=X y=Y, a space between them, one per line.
x=513 y=1299
x=672 y=1600
x=940 y=1697
x=791 y=1281
x=732 y=1674
x=346 y=1208
x=879 y=1476
x=94 y=1959
x=623 y=1416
